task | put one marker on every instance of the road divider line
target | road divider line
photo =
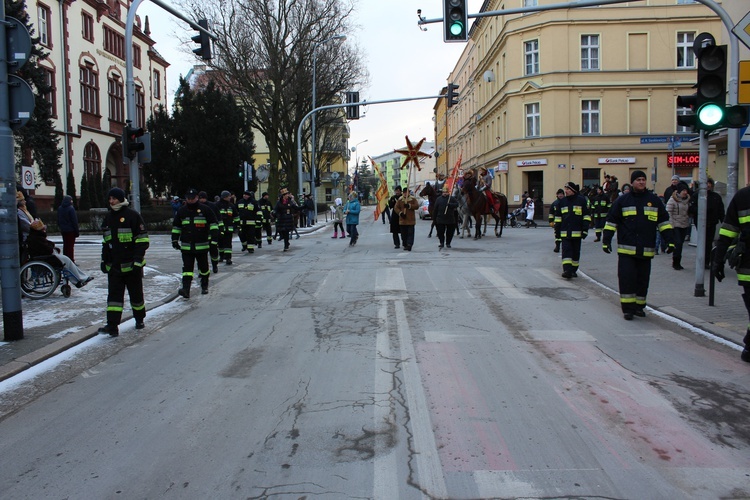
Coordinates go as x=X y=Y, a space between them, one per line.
x=505 y=287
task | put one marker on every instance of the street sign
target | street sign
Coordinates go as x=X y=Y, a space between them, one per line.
x=745 y=137
x=742 y=30
x=660 y=140
x=743 y=92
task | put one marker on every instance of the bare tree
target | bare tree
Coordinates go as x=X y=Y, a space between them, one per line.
x=264 y=54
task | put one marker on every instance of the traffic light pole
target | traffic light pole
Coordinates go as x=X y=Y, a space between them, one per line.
x=336 y=106
x=733 y=134
x=135 y=180
x=9 y=261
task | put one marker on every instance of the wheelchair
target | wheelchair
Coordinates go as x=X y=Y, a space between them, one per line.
x=41 y=275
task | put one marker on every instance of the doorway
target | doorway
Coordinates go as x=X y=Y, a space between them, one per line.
x=535 y=181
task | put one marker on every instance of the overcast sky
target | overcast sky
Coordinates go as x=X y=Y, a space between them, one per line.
x=402 y=60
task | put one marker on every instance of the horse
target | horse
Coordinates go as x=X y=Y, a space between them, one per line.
x=464 y=214
x=431 y=194
x=479 y=208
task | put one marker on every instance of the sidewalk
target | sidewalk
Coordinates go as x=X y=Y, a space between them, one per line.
x=56 y=324
x=671 y=293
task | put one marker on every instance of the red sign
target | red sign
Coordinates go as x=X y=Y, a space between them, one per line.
x=683 y=160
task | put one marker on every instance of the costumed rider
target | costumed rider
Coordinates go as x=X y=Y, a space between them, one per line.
x=230 y=220
x=485 y=186
x=636 y=216
x=732 y=247
x=194 y=228
x=247 y=211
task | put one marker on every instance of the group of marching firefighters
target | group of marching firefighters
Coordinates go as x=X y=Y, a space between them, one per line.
x=202 y=228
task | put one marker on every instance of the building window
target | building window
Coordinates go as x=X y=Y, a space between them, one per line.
x=92 y=160
x=590 y=52
x=590 y=117
x=87 y=23
x=45 y=35
x=532 y=120
x=157 y=85
x=140 y=107
x=89 y=80
x=685 y=56
x=136 y=56
x=529 y=3
x=114 y=43
x=116 y=99
x=329 y=195
x=531 y=56
x=49 y=94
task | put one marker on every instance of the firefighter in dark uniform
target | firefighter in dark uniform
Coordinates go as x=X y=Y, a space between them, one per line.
x=572 y=221
x=229 y=221
x=732 y=246
x=636 y=216
x=551 y=217
x=213 y=251
x=193 y=229
x=123 y=257
x=599 y=208
x=247 y=211
x=266 y=209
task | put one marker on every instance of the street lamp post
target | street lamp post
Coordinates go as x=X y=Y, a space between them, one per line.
x=314 y=105
x=354 y=150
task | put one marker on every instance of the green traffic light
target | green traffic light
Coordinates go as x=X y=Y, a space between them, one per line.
x=710 y=114
x=456 y=28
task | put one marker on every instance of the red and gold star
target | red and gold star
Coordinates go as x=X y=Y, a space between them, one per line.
x=412 y=153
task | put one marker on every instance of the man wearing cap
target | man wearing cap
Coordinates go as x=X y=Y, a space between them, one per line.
x=230 y=220
x=266 y=210
x=395 y=228
x=405 y=209
x=551 y=217
x=445 y=217
x=193 y=229
x=123 y=257
x=636 y=216
x=285 y=210
x=250 y=220
x=670 y=189
x=572 y=220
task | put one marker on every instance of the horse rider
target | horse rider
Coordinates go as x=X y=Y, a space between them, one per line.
x=485 y=186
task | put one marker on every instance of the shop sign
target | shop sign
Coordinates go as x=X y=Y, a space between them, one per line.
x=530 y=163
x=683 y=160
x=615 y=161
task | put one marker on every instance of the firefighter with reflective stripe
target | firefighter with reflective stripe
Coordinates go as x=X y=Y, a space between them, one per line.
x=230 y=220
x=214 y=250
x=732 y=247
x=599 y=210
x=123 y=256
x=193 y=229
x=247 y=211
x=551 y=218
x=266 y=210
x=636 y=216
x=572 y=221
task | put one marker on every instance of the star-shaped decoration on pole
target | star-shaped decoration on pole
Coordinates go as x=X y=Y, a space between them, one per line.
x=412 y=153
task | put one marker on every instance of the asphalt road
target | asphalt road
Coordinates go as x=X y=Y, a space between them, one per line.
x=333 y=371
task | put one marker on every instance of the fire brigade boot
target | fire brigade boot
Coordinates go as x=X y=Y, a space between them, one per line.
x=204 y=285
x=557 y=247
x=745 y=356
x=185 y=290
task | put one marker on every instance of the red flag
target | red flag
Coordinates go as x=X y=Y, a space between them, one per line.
x=454 y=174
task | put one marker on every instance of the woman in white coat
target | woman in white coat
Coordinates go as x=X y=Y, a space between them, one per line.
x=530 y=212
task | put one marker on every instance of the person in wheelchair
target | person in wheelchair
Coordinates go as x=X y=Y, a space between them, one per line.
x=38 y=245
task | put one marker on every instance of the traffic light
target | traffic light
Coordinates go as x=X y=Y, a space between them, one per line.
x=202 y=38
x=452 y=95
x=131 y=143
x=352 y=112
x=711 y=87
x=688 y=120
x=241 y=170
x=455 y=21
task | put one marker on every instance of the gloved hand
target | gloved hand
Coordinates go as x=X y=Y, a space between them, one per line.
x=584 y=234
x=138 y=270
x=734 y=255
x=402 y=215
x=607 y=248
x=103 y=267
x=670 y=248
x=176 y=245
x=718 y=269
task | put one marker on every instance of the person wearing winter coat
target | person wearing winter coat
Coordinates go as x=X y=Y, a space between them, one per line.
x=285 y=210
x=38 y=245
x=67 y=222
x=445 y=217
x=405 y=209
x=351 y=210
x=677 y=208
x=338 y=218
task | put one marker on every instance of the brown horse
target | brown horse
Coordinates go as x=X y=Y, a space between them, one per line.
x=431 y=194
x=479 y=207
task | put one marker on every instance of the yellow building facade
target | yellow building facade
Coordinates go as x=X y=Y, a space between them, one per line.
x=569 y=95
